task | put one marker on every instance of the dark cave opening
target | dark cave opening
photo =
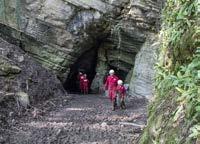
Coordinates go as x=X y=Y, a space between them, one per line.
x=86 y=63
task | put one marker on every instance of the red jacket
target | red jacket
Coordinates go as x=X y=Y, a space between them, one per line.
x=111 y=82
x=86 y=83
x=81 y=81
x=81 y=78
x=121 y=90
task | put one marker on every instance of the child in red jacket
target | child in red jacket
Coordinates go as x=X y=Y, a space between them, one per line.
x=122 y=93
x=85 y=84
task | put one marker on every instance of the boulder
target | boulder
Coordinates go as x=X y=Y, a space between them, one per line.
x=7 y=68
x=23 y=99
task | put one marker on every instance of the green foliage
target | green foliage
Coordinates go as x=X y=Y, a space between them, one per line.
x=178 y=69
x=195 y=131
x=187 y=82
x=181 y=30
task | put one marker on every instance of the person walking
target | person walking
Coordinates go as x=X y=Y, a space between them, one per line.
x=81 y=78
x=85 y=84
x=111 y=85
x=121 y=91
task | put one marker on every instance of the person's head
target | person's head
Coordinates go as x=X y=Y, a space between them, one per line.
x=85 y=75
x=120 y=82
x=111 y=72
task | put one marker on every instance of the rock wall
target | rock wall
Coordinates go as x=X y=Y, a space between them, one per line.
x=131 y=48
x=141 y=82
x=57 y=32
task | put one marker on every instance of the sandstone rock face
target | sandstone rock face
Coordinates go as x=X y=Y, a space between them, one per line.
x=57 y=32
x=54 y=32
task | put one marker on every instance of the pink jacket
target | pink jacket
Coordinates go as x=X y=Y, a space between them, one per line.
x=111 y=82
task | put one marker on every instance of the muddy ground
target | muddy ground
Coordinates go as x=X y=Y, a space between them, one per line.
x=84 y=119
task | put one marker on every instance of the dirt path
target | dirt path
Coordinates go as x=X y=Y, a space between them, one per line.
x=86 y=119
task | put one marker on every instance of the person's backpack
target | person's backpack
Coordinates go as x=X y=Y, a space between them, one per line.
x=126 y=87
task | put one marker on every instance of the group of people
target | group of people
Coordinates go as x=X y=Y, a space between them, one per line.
x=113 y=85
x=83 y=83
x=115 y=88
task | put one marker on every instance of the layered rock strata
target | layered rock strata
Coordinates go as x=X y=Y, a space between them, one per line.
x=57 y=32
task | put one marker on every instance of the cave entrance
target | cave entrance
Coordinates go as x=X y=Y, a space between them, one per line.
x=86 y=63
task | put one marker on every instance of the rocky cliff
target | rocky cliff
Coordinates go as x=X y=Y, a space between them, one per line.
x=58 y=33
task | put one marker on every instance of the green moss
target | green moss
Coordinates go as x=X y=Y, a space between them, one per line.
x=172 y=117
x=145 y=137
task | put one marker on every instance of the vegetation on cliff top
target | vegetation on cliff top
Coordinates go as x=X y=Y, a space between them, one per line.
x=174 y=116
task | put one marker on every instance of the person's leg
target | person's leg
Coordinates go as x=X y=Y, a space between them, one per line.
x=110 y=95
x=111 y=98
x=114 y=100
x=113 y=104
x=123 y=103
